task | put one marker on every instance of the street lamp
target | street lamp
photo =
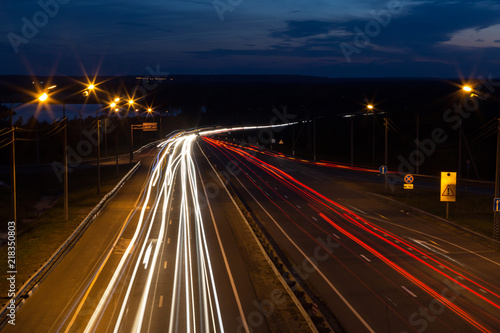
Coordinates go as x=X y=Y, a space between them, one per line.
x=496 y=214
x=44 y=98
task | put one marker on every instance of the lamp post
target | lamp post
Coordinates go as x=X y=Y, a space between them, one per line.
x=496 y=214
x=43 y=98
x=13 y=167
x=370 y=108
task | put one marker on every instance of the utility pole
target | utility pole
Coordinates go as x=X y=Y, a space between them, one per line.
x=13 y=168
x=131 y=142
x=352 y=141
x=98 y=157
x=65 y=155
x=314 y=138
x=418 y=145
x=496 y=222
x=386 y=120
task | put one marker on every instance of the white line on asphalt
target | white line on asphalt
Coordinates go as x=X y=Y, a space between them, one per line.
x=161 y=301
x=315 y=219
x=165 y=265
x=362 y=256
x=334 y=235
x=346 y=302
x=409 y=292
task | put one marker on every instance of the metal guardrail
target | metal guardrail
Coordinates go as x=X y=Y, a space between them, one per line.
x=29 y=286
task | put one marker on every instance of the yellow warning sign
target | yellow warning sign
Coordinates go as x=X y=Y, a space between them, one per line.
x=281 y=142
x=408 y=186
x=448 y=186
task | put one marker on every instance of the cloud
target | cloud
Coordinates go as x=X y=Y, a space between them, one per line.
x=475 y=37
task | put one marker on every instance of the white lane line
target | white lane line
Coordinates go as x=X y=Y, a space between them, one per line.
x=362 y=256
x=439 y=239
x=408 y=291
x=315 y=219
x=170 y=222
x=318 y=270
x=160 y=305
x=429 y=246
x=299 y=207
x=285 y=196
x=168 y=240
x=228 y=269
x=483 y=291
x=359 y=210
x=165 y=265
x=334 y=235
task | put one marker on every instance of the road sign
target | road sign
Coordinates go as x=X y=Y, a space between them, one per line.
x=448 y=186
x=281 y=142
x=496 y=205
x=383 y=169
x=408 y=186
x=149 y=127
x=408 y=179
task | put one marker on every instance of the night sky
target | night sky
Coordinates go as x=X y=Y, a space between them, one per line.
x=357 y=38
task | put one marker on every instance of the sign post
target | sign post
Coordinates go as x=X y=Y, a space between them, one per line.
x=448 y=189
x=408 y=185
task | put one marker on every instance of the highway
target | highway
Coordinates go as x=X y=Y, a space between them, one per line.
x=375 y=268
x=168 y=256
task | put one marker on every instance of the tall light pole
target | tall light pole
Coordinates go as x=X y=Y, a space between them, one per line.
x=43 y=98
x=13 y=167
x=496 y=214
x=371 y=109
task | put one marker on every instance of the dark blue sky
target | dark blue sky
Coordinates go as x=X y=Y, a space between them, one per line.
x=357 y=38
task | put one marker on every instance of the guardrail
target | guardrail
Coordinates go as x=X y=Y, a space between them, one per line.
x=30 y=286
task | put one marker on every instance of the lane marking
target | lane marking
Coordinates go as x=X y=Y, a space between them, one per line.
x=165 y=265
x=362 y=256
x=408 y=291
x=299 y=207
x=315 y=219
x=168 y=240
x=223 y=252
x=318 y=270
x=160 y=305
x=334 y=235
x=170 y=222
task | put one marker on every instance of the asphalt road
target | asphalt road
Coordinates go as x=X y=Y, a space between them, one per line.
x=376 y=268
x=162 y=256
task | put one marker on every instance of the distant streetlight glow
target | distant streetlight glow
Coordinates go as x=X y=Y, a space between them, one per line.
x=117 y=99
x=90 y=87
x=43 y=97
x=150 y=110
x=131 y=102
x=113 y=104
x=369 y=106
x=467 y=88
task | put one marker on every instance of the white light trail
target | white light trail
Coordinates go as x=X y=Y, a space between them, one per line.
x=194 y=305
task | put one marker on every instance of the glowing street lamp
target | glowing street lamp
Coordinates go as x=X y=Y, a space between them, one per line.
x=43 y=97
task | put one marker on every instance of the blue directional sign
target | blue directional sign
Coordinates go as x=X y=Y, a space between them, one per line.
x=383 y=169
x=496 y=205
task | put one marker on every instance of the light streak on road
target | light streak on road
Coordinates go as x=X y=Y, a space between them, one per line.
x=381 y=243
x=194 y=305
